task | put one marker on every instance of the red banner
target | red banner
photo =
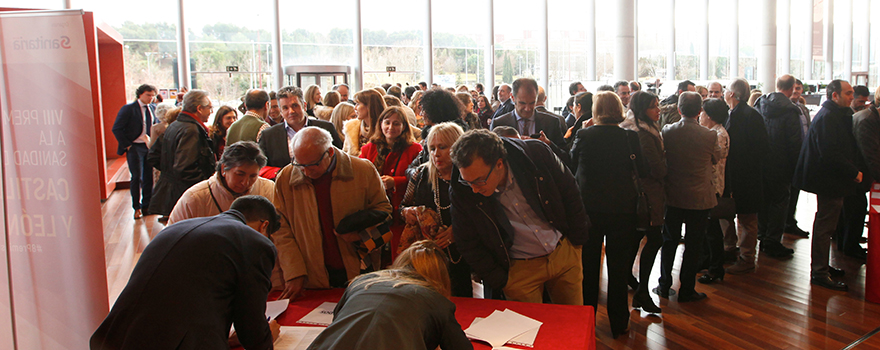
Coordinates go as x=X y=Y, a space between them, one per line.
x=53 y=227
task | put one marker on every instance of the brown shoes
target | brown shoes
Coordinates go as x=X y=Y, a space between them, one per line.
x=137 y=214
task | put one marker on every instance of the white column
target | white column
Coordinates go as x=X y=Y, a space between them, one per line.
x=544 y=47
x=704 y=40
x=828 y=39
x=489 y=62
x=590 y=23
x=847 y=9
x=67 y=5
x=358 y=74
x=783 y=36
x=767 y=45
x=636 y=40
x=277 y=64
x=429 y=45
x=734 y=40
x=866 y=40
x=183 y=74
x=623 y=40
x=670 y=53
x=808 y=44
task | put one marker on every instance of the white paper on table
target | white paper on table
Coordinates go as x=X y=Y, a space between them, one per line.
x=500 y=327
x=297 y=338
x=321 y=315
x=526 y=339
x=275 y=308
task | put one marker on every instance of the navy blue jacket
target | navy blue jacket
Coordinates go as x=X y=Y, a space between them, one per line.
x=785 y=134
x=830 y=160
x=129 y=125
x=746 y=159
x=480 y=226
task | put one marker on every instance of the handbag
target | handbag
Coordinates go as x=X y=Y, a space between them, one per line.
x=643 y=208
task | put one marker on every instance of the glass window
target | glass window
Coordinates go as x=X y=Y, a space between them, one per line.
x=800 y=9
x=720 y=38
x=221 y=36
x=653 y=41
x=516 y=45
x=149 y=40
x=837 y=46
x=315 y=40
x=748 y=37
x=687 y=39
x=605 y=23
x=393 y=36
x=873 y=69
x=568 y=49
x=459 y=36
x=35 y=4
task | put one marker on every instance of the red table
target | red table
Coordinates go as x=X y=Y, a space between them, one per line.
x=565 y=326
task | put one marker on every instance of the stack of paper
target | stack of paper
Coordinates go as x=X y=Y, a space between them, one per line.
x=275 y=308
x=297 y=338
x=505 y=327
x=321 y=315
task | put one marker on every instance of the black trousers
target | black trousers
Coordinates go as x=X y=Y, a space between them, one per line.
x=649 y=254
x=852 y=222
x=141 y=176
x=790 y=220
x=772 y=216
x=695 y=232
x=618 y=231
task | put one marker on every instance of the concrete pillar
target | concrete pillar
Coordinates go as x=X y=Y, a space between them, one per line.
x=489 y=62
x=590 y=23
x=277 y=64
x=183 y=74
x=847 y=7
x=670 y=53
x=767 y=45
x=636 y=41
x=704 y=40
x=428 y=39
x=783 y=34
x=866 y=41
x=734 y=40
x=543 y=46
x=358 y=74
x=808 y=44
x=828 y=39
x=623 y=40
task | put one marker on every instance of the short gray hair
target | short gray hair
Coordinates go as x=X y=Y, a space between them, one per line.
x=740 y=88
x=311 y=135
x=163 y=108
x=193 y=99
x=289 y=92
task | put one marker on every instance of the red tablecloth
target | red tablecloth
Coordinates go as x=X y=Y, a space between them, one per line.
x=565 y=326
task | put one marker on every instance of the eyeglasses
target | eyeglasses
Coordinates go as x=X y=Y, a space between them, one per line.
x=477 y=182
x=311 y=164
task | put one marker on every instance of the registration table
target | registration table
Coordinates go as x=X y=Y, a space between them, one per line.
x=565 y=326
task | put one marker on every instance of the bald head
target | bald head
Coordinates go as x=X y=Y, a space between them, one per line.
x=257 y=100
x=542 y=96
x=312 y=151
x=785 y=85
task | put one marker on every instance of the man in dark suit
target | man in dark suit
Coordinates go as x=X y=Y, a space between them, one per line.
x=274 y=140
x=830 y=166
x=194 y=280
x=504 y=95
x=525 y=119
x=540 y=106
x=790 y=221
x=132 y=131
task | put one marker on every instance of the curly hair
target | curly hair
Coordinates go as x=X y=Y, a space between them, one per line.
x=441 y=106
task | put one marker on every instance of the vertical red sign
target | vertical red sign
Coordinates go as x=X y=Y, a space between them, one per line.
x=53 y=228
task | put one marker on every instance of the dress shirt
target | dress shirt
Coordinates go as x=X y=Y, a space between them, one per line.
x=520 y=121
x=144 y=138
x=532 y=237
x=290 y=134
x=805 y=119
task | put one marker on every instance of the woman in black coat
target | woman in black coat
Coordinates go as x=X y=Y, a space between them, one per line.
x=583 y=111
x=601 y=154
x=645 y=108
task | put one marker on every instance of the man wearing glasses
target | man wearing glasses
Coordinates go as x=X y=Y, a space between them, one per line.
x=518 y=218
x=321 y=187
x=184 y=155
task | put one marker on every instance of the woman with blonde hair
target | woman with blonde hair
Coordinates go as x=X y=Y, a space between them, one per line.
x=429 y=188
x=606 y=159
x=331 y=99
x=342 y=113
x=313 y=98
x=369 y=105
x=404 y=307
x=415 y=103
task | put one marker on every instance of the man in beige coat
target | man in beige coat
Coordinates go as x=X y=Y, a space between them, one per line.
x=321 y=187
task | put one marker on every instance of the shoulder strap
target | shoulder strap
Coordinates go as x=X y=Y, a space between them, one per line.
x=214 y=198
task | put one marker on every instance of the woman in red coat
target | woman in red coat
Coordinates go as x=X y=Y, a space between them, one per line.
x=392 y=148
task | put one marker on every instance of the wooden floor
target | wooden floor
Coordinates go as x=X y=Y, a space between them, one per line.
x=773 y=308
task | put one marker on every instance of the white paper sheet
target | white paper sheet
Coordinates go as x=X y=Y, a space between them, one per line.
x=321 y=315
x=275 y=308
x=297 y=338
x=526 y=339
x=500 y=327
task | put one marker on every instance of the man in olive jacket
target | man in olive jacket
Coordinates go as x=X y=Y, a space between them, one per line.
x=518 y=218
x=829 y=166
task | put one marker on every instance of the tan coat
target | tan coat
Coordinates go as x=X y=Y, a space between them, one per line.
x=356 y=186
x=196 y=202
x=352 y=133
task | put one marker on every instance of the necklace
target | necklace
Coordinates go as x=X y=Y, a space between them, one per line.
x=440 y=208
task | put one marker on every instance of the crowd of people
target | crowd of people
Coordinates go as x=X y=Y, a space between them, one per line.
x=425 y=190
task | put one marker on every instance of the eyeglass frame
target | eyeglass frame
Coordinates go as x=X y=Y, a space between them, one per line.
x=482 y=182
x=303 y=166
